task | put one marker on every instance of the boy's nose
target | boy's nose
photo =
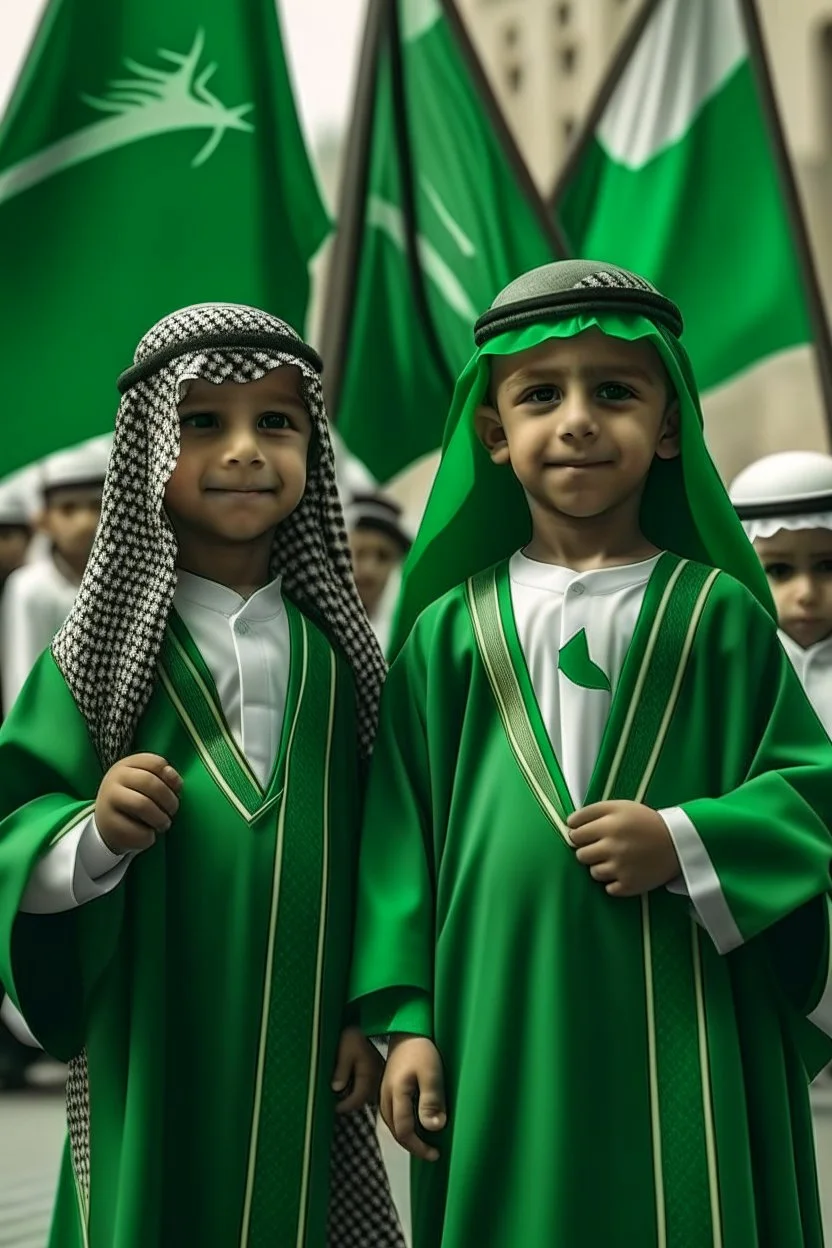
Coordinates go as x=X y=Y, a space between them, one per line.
x=243 y=448
x=89 y=519
x=806 y=589
x=576 y=419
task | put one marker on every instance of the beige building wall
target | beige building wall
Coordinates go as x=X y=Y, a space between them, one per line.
x=546 y=59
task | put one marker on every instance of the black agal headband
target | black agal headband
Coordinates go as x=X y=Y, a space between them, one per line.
x=806 y=505
x=570 y=288
x=258 y=341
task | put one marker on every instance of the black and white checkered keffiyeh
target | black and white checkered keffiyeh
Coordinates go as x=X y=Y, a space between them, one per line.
x=109 y=646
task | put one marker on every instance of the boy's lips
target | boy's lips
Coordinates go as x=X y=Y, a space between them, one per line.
x=239 y=489
x=579 y=463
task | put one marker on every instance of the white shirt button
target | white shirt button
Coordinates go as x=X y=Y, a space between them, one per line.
x=242 y=627
x=577 y=588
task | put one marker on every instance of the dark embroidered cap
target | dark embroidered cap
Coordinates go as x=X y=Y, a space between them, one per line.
x=221 y=341
x=569 y=288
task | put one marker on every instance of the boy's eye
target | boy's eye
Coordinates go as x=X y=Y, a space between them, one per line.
x=823 y=567
x=198 y=420
x=778 y=571
x=614 y=392
x=274 y=420
x=542 y=394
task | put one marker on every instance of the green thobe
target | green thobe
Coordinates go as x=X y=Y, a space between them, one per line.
x=207 y=990
x=613 y=1081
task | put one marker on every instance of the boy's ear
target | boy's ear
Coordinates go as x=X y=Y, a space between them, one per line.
x=669 y=443
x=491 y=433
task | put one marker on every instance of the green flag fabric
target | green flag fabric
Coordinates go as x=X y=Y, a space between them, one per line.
x=447 y=217
x=151 y=157
x=678 y=181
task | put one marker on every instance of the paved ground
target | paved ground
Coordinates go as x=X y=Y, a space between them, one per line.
x=823 y=1136
x=31 y=1139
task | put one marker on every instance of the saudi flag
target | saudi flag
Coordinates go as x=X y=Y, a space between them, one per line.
x=683 y=177
x=150 y=157
x=438 y=214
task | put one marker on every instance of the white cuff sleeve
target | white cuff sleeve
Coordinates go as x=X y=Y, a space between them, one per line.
x=700 y=881
x=95 y=858
x=12 y=1018
x=77 y=869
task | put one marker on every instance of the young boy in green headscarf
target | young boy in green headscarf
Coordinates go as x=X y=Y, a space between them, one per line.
x=593 y=888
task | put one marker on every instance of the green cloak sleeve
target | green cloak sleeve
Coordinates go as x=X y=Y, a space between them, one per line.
x=765 y=824
x=49 y=778
x=392 y=978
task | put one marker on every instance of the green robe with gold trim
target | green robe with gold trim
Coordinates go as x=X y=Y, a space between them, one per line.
x=612 y=1080
x=207 y=990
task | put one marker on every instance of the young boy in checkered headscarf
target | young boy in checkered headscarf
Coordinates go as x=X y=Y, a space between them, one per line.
x=180 y=778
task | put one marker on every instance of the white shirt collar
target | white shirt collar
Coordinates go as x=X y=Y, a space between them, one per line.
x=551 y=576
x=265 y=604
x=807 y=654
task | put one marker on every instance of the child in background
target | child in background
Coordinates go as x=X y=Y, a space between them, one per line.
x=39 y=595
x=15 y=535
x=785 y=504
x=378 y=544
x=15 y=524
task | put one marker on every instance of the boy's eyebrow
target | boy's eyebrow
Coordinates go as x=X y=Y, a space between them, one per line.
x=622 y=368
x=207 y=402
x=781 y=552
x=608 y=369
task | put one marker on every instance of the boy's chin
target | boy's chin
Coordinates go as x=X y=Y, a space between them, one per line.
x=241 y=533
x=572 y=508
x=809 y=634
x=250 y=528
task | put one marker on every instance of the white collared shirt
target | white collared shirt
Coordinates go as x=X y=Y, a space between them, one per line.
x=814 y=667
x=551 y=604
x=245 y=645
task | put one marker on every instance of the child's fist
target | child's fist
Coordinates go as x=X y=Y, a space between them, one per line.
x=136 y=801
x=413 y=1084
x=358 y=1070
x=626 y=845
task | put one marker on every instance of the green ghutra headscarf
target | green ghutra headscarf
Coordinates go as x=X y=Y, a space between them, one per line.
x=477 y=513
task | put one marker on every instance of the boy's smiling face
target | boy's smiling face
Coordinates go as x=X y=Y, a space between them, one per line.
x=242 y=461
x=580 y=420
x=798 y=564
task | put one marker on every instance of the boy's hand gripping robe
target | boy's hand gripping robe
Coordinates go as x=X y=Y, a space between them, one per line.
x=619 y=1071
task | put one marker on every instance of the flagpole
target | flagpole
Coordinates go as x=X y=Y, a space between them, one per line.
x=602 y=98
x=40 y=35
x=494 y=112
x=342 y=276
x=411 y=229
x=817 y=310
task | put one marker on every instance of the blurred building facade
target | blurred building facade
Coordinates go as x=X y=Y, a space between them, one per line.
x=546 y=59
